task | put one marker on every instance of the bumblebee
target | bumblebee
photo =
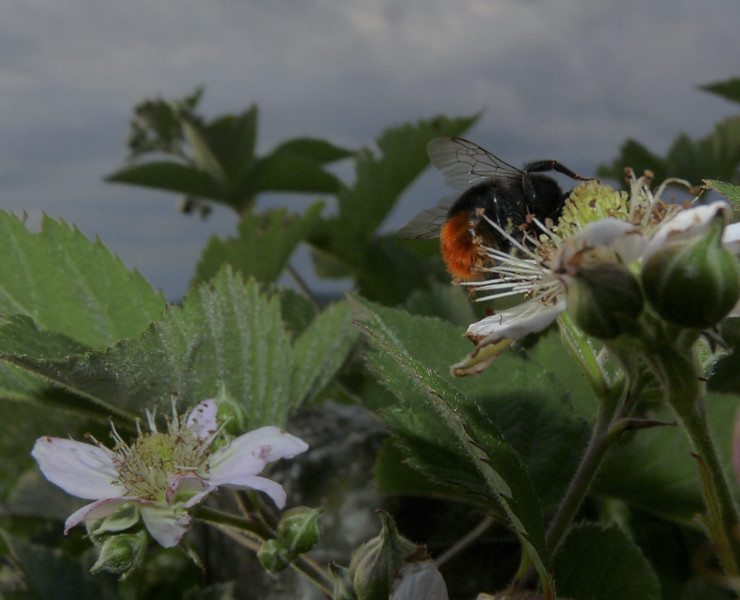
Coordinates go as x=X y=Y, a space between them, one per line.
x=508 y=196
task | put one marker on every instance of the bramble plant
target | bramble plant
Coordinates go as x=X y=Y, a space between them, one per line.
x=577 y=445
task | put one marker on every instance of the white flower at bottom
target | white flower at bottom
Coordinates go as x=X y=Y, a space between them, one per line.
x=164 y=474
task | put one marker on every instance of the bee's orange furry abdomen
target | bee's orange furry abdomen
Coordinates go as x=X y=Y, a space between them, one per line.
x=458 y=249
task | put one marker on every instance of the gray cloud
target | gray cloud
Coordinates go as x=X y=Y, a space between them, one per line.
x=569 y=79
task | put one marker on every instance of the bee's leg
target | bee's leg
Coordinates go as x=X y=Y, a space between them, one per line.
x=551 y=164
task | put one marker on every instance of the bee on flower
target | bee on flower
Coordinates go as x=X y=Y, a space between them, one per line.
x=610 y=255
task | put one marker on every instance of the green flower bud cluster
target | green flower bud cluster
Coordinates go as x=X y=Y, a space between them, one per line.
x=297 y=533
x=688 y=278
x=373 y=565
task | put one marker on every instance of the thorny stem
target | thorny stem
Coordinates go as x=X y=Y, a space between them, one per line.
x=250 y=533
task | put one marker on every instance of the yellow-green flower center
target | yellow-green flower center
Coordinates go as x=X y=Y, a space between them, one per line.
x=146 y=466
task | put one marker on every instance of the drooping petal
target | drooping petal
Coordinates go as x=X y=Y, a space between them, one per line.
x=96 y=510
x=525 y=318
x=254 y=482
x=165 y=524
x=80 y=469
x=249 y=453
x=203 y=418
x=496 y=333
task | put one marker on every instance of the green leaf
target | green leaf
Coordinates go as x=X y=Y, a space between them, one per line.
x=67 y=285
x=21 y=423
x=287 y=173
x=636 y=156
x=51 y=575
x=603 y=564
x=729 y=191
x=448 y=302
x=203 y=156
x=70 y=285
x=264 y=245
x=231 y=139
x=715 y=156
x=322 y=151
x=426 y=396
x=728 y=89
x=654 y=469
x=225 y=332
x=321 y=349
x=172 y=177
x=390 y=271
x=537 y=405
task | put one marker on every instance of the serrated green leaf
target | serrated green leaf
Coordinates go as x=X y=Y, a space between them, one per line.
x=321 y=349
x=603 y=564
x=264 y=245
x=380 y=179
x=534 y=407
x=728 y=89
x=225 y=332
x=172 y=177
x=715 y=156
x=70 y=285
x=425 y=393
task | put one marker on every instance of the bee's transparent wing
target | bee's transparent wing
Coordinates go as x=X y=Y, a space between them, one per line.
x=428 y=223
x=464 y=163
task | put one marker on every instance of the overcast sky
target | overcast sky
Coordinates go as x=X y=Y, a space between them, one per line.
x=569 y=79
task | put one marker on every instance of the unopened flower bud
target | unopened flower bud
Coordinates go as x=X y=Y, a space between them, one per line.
x=693 y=280
x=274 y=556
x=376 y=561
x=604 y=299
x=121 y=553
x=299 y=529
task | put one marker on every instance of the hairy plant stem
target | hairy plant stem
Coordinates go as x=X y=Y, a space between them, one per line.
x=685 y=392
x=250 y=533
x=606 y=432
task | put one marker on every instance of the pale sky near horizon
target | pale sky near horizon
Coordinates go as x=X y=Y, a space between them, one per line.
x=569 y=79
